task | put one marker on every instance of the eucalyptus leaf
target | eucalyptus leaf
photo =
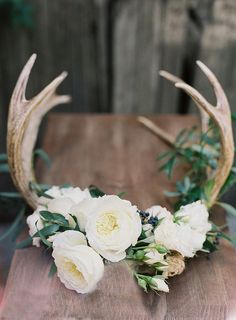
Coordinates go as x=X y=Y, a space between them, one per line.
x=11 y=195
x=42 y=236
x=47 y=231
x=40 y=153
x=95 y=191
x=228 y=208
x=3 y=157
x=24 y=243
x=4 y=168
x=121 y=194
x=53 y=270
x=56 y=218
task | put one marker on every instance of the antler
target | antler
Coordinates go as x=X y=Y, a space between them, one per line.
x=220 y=114
x=23 y=124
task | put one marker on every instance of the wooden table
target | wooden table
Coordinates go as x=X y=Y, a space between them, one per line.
x=116 y=154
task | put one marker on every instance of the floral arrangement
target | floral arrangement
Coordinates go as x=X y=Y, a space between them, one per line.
x=86 y=232
x=86 y=229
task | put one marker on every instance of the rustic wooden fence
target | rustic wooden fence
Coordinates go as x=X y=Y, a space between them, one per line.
x=113 y=50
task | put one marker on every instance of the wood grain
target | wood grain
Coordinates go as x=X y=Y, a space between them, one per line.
x=117 y=154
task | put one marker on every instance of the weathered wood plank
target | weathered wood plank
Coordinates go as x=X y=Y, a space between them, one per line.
x=147 y=36
x=117 y=154
x=217 y=48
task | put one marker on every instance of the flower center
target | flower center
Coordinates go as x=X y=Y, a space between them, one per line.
x=72 y=269
x=106 y=224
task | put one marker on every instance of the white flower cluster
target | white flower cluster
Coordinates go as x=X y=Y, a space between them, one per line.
x=86 y=231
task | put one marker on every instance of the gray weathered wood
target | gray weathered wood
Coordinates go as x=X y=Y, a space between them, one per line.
x=147 y=37
x=217 y=48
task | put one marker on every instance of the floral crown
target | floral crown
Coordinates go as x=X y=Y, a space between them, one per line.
x=85 y=229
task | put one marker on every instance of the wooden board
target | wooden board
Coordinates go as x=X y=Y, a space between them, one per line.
x=216 y=47
x=117 y=154
x=147 y=36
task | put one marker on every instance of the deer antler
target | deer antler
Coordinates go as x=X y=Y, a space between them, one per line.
x=220 y=114
x=23 y=124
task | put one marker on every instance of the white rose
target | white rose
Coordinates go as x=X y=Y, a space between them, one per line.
x=178 y=237
x=159 y=212
x=75 y=194
x=79 y=267
x=112 y=227
x=196 y=216
x=31 y=221
x=83 y=210
x=159 y=284
x=153 y=256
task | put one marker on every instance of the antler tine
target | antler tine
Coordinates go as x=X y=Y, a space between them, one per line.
x=23 y=124
x=220 y=114
x=222 y=101
x=169 y=139
x=19 y=92
x=169 y=76
x=222 y=118
x=200 y=101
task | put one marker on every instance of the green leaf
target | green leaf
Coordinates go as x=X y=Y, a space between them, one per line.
x=172 y=194
x=181 y=137
x=141 y=282
x=230 y=209
x=209 y=246
x=95 y=191
x=164 y=155
x=230 y=181
x=77 y=228
x=40 y=189
x=233 y=116
x=3 y=157
x=231 y=239
x=52 y=270
x=24 y=243
x=47 y=231
x=208 y=188
x=168 y=166
x=11 y=195
x=161 y=249
x=56 y=218
x=42 y=236
x=121 y=194
x=15 y=225
x=40 y=153
x=4 y=168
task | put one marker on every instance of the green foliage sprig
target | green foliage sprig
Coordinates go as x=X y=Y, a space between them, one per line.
x=198 y=153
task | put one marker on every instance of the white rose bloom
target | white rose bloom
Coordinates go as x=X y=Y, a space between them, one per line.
x=159 y=284
x=31 y=221
x=153 y=256
x=70 y=239
x=196 y=216
x=79 y=267
x=179 y=237
x=83 y=210
x=75 y=194
x=112 y=227
x=159 y=212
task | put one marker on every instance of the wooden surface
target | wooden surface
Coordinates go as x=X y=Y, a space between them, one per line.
x=116 y=154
